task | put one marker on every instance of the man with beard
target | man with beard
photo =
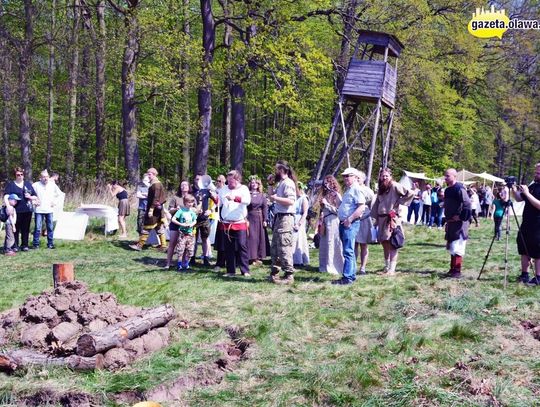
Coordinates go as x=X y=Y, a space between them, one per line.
x=154 y=212
x=457 y=211
x=284 y=197
x=528 y=240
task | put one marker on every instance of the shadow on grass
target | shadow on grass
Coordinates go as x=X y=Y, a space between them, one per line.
x=427 y=244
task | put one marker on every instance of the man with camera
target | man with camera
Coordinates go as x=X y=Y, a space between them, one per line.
x=528 y=239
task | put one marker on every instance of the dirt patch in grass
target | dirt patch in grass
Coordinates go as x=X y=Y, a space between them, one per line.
x=230 y=354
x=532 y=328
x=52 y=398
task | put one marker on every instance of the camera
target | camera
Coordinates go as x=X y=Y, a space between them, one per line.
x=510 y=181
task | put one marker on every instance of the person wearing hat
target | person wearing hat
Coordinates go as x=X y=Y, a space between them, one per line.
x=10 y=215
x=350 y=211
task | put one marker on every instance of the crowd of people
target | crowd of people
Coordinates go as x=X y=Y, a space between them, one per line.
x=235 y=218
x=22 y=199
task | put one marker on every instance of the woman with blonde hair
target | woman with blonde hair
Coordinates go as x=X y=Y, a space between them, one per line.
x=330 y=247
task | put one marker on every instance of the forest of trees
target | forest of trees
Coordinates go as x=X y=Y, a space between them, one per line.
x=98 y=89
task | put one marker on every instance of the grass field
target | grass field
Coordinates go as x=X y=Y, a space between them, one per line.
x=410 y=340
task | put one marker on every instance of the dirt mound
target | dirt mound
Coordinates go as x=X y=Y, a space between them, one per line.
x=74 y=327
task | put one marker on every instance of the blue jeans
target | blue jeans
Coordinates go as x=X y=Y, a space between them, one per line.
x=348 y=236
x=436 y=215
x=37 y=229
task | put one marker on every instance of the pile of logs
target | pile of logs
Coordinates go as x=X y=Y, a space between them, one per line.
x=73 y=327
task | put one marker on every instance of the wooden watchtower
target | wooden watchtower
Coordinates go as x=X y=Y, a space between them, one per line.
x=366 y=102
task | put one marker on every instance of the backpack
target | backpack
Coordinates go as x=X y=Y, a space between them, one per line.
x=3 y=214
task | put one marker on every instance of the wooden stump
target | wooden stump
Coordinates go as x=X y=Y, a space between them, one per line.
x=63 y=272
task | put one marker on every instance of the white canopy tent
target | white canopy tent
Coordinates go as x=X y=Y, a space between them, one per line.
x=409 y=177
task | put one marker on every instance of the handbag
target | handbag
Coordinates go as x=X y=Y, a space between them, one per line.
x=397 y=238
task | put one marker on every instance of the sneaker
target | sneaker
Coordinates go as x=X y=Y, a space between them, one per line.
x=206 y=262
x=16 y=249
x=534 y=281
x=523 y=278
x=246 y=274
x=362 y=273
x=50 y=246
x=135 y=247
x=230 y=274
x=341 y=281
x=35 y=247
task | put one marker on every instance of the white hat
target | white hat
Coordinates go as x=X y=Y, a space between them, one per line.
x=351 y=171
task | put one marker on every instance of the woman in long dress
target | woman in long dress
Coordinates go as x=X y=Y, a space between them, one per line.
x=257 y=213
x=364 y=232
x=385 y=211
x=330 y=248
x=301 y=247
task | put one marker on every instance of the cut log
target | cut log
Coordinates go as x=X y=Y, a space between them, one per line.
x=35 y=335
x=63 y=273
x=63 y=332
x=19 y=358
x=115 y=335
x=117 y=358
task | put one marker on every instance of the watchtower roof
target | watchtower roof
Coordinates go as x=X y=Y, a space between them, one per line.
x=380 y=41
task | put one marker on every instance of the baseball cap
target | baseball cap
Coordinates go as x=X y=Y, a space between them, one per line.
x=14 y=196
x=350 y=171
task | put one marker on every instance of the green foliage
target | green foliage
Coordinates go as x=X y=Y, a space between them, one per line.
x=462 y=101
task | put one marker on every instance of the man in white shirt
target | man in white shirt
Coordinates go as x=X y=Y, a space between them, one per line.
x=233 y=200
x=47 y=193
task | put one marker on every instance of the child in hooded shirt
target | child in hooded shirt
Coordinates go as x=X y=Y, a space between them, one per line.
x=185 y=218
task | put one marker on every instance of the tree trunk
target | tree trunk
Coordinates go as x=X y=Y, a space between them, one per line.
x=184 y=68
x=50 y=74
x=226 y=142
x=6 y=72
x=225 y=153
x=84 y=112
x=129 y=107
x=13 y=360
x=73 y=80
x=100 y=56
x=345 y=50
x=205 y=91
x=114 y=335
x=238 y=134
x=25 y=58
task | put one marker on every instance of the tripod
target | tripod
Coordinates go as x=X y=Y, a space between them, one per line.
x=506 y=215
